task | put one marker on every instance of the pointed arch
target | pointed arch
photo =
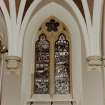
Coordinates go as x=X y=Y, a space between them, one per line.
x=30 y=36
x=76 y=13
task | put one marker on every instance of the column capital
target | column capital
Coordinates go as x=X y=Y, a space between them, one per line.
x=13 y=63
x=95 y=62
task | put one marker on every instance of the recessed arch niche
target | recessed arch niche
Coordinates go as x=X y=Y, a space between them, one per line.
x=52 y=9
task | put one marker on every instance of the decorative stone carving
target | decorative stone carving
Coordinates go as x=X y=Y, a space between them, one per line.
x=13 y=63
x=96 y=62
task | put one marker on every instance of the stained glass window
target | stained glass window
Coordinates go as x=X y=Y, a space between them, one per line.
x=52 y=59
x=62 y=74
x=42 y=65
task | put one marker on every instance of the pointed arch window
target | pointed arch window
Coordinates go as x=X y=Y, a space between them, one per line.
x=53 y=59
x=62 y=74
x=42 y=65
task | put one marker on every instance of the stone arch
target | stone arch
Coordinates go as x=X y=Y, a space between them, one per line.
x=52 y=9
x=74 y=11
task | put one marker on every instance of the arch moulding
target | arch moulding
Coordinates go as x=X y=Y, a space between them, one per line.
x=30 y=36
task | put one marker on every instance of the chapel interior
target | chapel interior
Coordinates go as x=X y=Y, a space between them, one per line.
x=52 y=52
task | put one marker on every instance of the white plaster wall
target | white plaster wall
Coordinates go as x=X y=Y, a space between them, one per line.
x=92 y=86
x=104 y=48
x=11 y=89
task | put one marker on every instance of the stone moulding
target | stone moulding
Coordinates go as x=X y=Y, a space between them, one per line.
x=13 y=63
x=96 y=62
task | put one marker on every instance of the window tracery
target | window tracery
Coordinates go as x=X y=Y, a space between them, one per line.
x=52 y=25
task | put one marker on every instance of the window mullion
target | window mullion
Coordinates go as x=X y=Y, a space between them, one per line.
x=52 y=85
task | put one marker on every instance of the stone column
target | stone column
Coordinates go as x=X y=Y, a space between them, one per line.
x=95 y=90
x=12 y=83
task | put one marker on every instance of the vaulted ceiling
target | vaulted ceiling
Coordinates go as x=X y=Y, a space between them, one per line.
x=7 y=4
x=28 y=3
x=90 y=4
x=79 y=4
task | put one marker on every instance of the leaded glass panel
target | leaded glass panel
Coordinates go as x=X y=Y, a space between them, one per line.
x=42 y=65
x=52 y=25
x=62 y=73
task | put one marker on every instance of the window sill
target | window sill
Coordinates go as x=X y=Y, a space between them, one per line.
x=46 y=98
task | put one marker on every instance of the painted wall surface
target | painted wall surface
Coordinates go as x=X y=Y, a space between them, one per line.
x=11 y=89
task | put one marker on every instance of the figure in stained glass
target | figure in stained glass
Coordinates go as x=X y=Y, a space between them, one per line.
x=62 y=74
x=42 y=65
